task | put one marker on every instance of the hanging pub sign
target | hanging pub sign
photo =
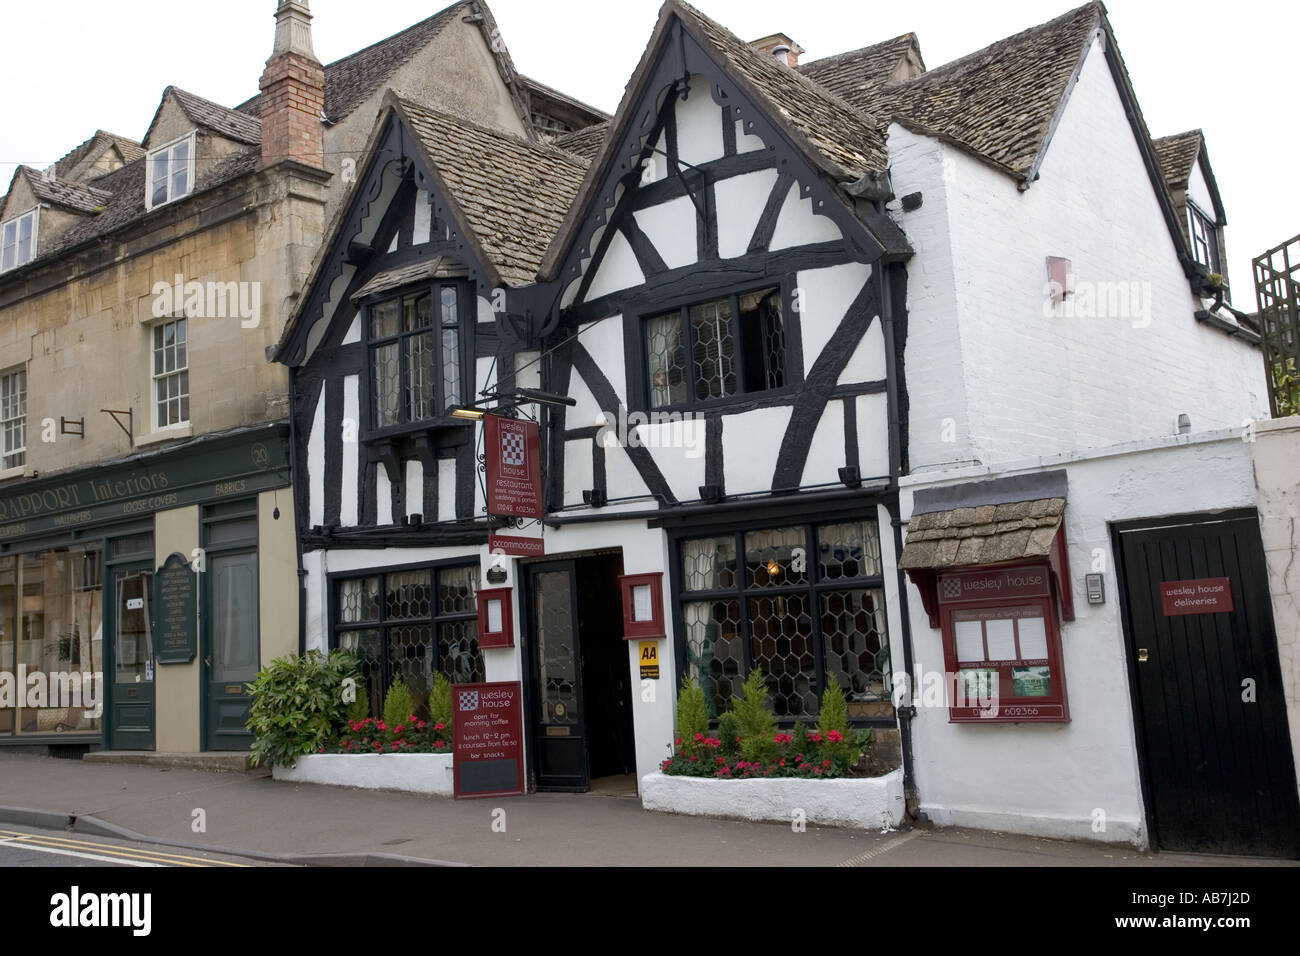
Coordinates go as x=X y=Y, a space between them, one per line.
x=175 y=608
x=487 y=734
x=1002 y=645
x=512 y=453
x=496 y=626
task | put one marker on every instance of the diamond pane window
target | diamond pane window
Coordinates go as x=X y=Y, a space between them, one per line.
x=400 y=631
x=795 y=616
x=736 y=344
x=416 y=363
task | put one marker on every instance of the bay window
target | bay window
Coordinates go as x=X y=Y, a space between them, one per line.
x=416 y=356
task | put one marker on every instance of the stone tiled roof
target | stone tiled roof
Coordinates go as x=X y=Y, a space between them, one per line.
x=513 y=193
x=91 y=148
x=841 y=133
x=585 y=143
x=1000 y=101
x=65 y=193
x=229 y=123
x=349 y=81
x=1177 y=155
x=859 y=76
x=987 y=534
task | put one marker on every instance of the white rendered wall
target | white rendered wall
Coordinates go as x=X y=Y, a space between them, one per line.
x=1041 y=383
x=348 y=477
x=1049 y=779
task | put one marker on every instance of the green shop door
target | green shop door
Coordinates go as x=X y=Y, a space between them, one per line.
x=131 y=706
x=231 y=645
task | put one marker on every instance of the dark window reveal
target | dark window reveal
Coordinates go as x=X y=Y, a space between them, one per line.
x=1205 y=239
x=415 y=356
x=715 y=350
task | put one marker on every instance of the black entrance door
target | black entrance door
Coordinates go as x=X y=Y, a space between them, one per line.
x=231 y=645
x=1216 y=755
x=580 y=684
x=131 y=702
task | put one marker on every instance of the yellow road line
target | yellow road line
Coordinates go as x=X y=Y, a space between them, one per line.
x=177 y=859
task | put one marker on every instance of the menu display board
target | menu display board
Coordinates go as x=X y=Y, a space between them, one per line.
x=175 y=608
x=487 y=735
x=1002 y=645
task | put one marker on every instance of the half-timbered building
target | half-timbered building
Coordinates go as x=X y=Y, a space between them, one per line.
x=819 y=355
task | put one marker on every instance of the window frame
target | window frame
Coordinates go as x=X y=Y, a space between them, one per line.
x=192 y=139
x=16 y=221
x=382 y=624
x=638 y=356
x=465 y=344
x=156 y=378
x=815 y=587
x=6 y=452
x=1208 y=237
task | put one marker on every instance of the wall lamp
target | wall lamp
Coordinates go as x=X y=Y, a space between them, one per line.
x=520 y=396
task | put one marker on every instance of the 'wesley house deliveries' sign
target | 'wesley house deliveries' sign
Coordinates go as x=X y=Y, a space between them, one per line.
x=175 y=608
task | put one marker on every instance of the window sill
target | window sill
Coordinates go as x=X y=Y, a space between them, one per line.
x=166 y=434
x=8 y=473
x=414 y=428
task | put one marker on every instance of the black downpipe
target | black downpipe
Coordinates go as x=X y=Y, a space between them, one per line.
x=905 y=709
x=297 y=518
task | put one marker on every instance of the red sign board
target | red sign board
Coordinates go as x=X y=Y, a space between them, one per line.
x=516 y=545
x=1201 y=596
x=995 y=584
x=514 y=466
x=487 y=726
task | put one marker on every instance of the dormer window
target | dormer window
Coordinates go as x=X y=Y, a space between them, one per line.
x=1204 y=232
x=169 y=172
x=18 y=240
x=417 y=363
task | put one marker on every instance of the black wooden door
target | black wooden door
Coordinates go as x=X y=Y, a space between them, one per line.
x=1218 y=772
x=558 y=730
x=129 y=592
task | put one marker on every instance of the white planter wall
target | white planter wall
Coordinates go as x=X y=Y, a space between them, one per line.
x=870 y=803
x=415 y=773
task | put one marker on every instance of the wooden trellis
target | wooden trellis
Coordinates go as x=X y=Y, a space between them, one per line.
x=1277 y=291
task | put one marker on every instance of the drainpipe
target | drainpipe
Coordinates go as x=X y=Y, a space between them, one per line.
x=905 y=710
x=297 y=538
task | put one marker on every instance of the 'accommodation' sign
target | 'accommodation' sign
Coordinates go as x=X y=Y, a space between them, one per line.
x=1201 y=596
x=514 y=474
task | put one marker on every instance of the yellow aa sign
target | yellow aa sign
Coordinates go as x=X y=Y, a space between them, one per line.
x=649 y=659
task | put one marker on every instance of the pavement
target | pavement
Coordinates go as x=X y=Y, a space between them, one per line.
x=252 y=817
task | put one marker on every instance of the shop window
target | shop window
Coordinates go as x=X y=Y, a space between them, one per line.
x=51 y=642
x=13 y=419
x=416 y=356
x=410 y=624
x=18 y=240
x=799 y=603
x=171 y=375
x=169 y=172
x=1002 y=645
x=716 y=350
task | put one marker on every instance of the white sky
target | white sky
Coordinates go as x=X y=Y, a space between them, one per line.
x=79 y=65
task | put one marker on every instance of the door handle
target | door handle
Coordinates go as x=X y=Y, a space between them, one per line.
x=1142 y=655
x=207 y=661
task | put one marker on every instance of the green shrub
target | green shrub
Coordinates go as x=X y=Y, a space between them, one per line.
x=298 y=705
x=692 y=714
x=728 y=734
x=440 y=704
x=359 y=709
x=398 y=705
x=754 y=721
x=834 y=714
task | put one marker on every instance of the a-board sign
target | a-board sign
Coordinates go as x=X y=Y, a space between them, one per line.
x=487 y=733
x=648 y=652
x=1200 y=596
x=175 y=611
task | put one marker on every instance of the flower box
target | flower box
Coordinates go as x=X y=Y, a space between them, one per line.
x=414 y=773
x=866 y=803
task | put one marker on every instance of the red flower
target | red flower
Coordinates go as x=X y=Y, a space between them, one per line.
x=782 y=761
x=699 y=736
x=381 y=725
x=815 y=738
x=783 y=739
x=677 y=742
x=399 y=728
x=438 y=727
x=439 y=743
x=826 y=763
x=834 y=736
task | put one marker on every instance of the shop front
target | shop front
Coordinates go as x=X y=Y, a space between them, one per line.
x=137 y=598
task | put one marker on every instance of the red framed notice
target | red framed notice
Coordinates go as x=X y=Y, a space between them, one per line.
x=1198 y=596
x=488 y=739
x=643 y=605
x=1002 y=646
x=512 y=451
x=496 y=625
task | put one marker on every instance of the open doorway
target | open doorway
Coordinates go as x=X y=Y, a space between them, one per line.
x=579 y=676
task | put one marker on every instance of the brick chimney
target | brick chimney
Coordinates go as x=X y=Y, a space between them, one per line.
x=293 y=91
x=780 y=46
